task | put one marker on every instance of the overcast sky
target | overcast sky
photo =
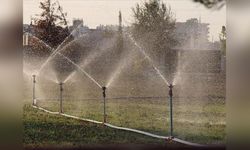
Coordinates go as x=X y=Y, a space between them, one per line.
x=96 y=12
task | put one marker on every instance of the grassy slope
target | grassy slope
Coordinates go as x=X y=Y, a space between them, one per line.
x=43 y=129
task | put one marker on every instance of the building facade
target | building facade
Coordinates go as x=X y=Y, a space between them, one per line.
x=192 y=34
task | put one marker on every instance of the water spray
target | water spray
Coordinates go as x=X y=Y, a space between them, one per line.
x=104 y=104
x=34 y=90
x=61 y=97
x=171 y=108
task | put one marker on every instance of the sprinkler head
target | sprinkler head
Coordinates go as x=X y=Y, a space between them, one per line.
x=171 y=86
x=61 y=86
x=104 y=91
x=171 y=90
x=34 y=78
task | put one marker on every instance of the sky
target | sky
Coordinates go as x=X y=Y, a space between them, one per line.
x=96 y=12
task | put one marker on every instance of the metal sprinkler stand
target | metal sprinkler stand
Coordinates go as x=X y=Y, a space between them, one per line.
x=34 y=90
x=104 y=104
x=171 y=108
x=61 y=97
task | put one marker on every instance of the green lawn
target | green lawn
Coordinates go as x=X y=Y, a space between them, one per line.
x=43 y=129
x=197 y=118
x=193 y=121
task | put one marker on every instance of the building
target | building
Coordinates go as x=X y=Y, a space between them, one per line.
x=192 y=34
x=194 y=50
x=78 y=28
x=28 y=30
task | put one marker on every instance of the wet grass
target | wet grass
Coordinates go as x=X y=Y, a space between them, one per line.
x=193 y=121
x=43 y=129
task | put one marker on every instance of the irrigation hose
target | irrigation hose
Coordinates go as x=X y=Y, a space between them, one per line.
x=167 y=138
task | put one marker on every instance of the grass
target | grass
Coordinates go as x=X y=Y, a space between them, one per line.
x=195 y=122
x=43 y=129
x=195 y=119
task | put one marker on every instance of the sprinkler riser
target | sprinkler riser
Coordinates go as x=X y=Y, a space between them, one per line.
x=34 y=90
x=171 y=108
x=104 y=104
x=61 y=97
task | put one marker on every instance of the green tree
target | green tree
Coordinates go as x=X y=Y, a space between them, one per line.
x=154 y=27
x=51 y=25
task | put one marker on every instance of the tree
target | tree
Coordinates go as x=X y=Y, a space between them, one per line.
x=212 y=3
x=154 y=27
x=51 y=25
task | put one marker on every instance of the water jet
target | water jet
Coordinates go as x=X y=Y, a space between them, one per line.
x=148 y=58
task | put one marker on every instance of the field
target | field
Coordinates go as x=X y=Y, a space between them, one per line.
x=197 y=118
x=201 y=123
x=43 y=129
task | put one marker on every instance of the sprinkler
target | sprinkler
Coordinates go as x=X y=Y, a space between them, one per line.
x=104 y=91
x=61 y=97
x=34 y=90
x=171 y=90
x=171 y=108
x=104 y=104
